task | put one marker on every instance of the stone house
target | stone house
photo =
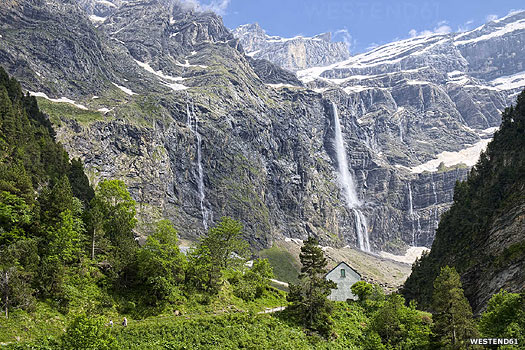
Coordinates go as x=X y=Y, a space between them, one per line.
x=344 y=276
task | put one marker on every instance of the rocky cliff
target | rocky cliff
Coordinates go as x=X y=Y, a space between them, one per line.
x=290 y=53
x=166 y=99
x=483 y=234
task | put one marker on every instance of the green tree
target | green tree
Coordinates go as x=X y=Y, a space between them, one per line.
x=161 y=265
x=113 y=212
x=55 y=201
x=88 y=333
x=79 y=182
x=18 y=266
x=64 y=240
x=254 y=281
x=222 y=248
x=399 y=326
x=362 y=289
x=309 y=298
x=225 y=243
x=15 y=216
x=504 y=317
x=202 y=273
x=453 y=322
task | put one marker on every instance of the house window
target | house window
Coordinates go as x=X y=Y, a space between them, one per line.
x=343 y=273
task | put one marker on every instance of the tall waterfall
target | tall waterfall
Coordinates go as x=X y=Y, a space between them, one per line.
x=436 y=219
x=414 y=216
x=411 y=214
x=193 y=125
x=348 y=186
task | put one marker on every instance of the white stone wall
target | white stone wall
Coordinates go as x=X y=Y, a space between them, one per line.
x=343 y=291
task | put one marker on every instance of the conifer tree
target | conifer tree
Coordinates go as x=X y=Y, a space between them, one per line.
x=309 y=297
x=453 y=321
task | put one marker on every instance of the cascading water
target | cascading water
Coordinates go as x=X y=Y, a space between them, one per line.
x=400 y=125
x=413 y=216
x=193 y=125
x=436 y=220
x=348 y=186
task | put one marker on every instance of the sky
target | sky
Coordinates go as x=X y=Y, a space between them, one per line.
x=362 y=24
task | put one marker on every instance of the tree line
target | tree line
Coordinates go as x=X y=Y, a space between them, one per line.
x=63 y=242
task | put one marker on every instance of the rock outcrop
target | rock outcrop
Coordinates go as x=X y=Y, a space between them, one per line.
x=483 y=234
x=290 y=53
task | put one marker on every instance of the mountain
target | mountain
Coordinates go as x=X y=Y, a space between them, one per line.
x=483 y=234
x=166 y=99
x=290 y=53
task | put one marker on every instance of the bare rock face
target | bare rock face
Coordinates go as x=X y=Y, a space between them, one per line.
x=290 y=53
x=199 y=130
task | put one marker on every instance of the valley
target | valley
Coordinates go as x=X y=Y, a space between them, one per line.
x=160 y=167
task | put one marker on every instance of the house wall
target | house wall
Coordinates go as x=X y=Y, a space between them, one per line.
x=343 y=291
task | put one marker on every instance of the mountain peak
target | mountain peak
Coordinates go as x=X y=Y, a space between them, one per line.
x=294 y=53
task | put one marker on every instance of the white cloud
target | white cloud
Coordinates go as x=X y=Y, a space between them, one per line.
x=441 y=28
x=491 y=18
x=465 y=26
x=217 y=6
x=345 y=36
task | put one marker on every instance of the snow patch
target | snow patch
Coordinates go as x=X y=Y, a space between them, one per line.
x=410 y=256
x=488 y=131
x=176 y=86
x=468 y=156
x=125 y=89
x=295 y=240
x=104 y=110
x=163 y=77
x=509 y=28
x=97 y=19
x=159 y=73
x=510 y=82
x=59 y=100
x=418 y=82
x=107 y=3
x=356 y=88
x=280 y=85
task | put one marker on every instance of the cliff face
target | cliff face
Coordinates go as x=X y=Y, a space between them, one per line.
x=166 y=99
x=290 y=53
x=483 y=234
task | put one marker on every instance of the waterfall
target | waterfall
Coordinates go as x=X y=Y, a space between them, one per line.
x=193 y=125
x=411 y=214
x=434 y=192
x=348 y=186
x=436 y=221
x=414 y=216
x=410 y=206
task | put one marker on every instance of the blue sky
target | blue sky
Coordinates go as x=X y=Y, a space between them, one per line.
x=362 y=23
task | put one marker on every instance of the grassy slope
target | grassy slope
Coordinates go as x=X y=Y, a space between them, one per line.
x=240 y=331
x=46 y=321
x=285 y=267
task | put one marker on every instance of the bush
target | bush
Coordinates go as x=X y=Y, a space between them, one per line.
x=88 y=333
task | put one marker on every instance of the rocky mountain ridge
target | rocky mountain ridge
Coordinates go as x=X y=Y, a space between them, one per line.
x=165 y=99
x=290 y=53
